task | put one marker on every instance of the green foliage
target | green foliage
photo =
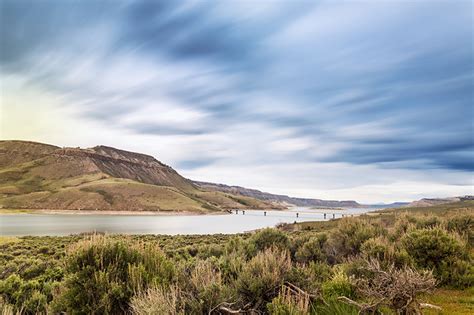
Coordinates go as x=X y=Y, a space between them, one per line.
x=339 y=285
x=312 y=250
x=441 y=251
x=231 y=266
x=456 y=272
x=378 y=248
x=267 y=238
x=425 y=222
x=348 y=238
x=262 y=276
x=104 y=273
x=281 y=306
x=334 y=307
x=463 y=224
x=309 y=277
x=205 y=289
x=36 y=303
x=430 y=246
x=24 y=295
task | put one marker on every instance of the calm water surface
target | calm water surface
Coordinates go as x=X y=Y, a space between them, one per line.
x=58 y=224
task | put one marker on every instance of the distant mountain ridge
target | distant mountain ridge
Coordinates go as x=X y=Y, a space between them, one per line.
x=427 y=202
x=257 y=194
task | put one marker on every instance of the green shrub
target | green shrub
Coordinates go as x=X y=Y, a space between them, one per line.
x=462 y=224
x=403 y=224
x=335 y=307
x=400 y=257
x=312 y=250
x=386 y=251
x=425 y=222
x=231 y=266
x=429 y=247
x=339 y=285
x=441 y=251
x=10 y=289
x=287 y=305
x=211 y=250
x=348 y=238
x=376 y=248
x=280 y=307
x=34 y=270
x=267 y=238
x=206 y=289
x=262 y=276
x=36 y=304
x=456 y=273
x=104 y=273
x=23 y=295
x=309 y=277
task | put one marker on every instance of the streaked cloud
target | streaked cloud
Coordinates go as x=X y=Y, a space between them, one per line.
x=380 y=88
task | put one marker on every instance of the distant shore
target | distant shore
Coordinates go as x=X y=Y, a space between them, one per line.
x=6 y=211
x=104 y=212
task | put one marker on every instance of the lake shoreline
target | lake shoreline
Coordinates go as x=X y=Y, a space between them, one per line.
x=142 y=212
x=107 y=212
x=21 y=222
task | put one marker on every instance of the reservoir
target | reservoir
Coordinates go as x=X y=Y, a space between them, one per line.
x=66 y=224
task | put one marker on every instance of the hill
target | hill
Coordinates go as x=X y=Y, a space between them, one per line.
x=41 y=176
x=281 y=199
x=427 y=202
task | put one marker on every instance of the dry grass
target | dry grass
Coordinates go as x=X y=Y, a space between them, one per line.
x=157 y=300
x=438 y=209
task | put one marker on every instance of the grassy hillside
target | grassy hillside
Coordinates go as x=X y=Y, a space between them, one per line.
x=391 y=262
x=438 y=209
x=40 y=176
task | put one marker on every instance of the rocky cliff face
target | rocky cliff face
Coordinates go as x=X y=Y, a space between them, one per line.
x=122 y=164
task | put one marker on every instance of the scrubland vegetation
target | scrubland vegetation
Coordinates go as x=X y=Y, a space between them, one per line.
x=390 y=263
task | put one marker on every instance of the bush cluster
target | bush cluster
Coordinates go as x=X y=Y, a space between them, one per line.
x=270 y=271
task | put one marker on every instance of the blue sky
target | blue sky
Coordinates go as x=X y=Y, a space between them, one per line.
x=365 y=100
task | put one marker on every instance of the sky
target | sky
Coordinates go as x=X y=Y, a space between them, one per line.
x=363 y=100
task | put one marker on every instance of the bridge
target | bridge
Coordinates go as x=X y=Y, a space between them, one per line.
x=316 y=214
